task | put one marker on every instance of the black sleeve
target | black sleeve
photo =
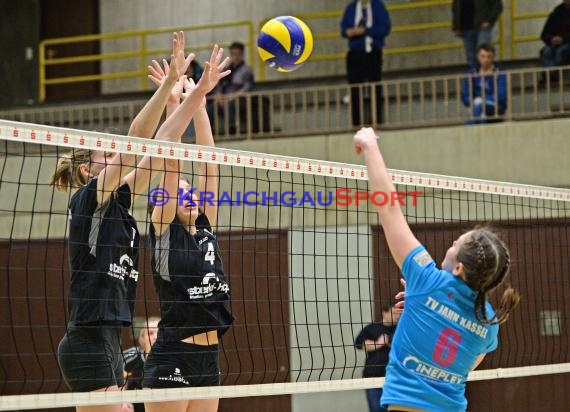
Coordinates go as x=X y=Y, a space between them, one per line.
x=549 y=28
x=124 y=195
x=84 y=202
x=364 y=334
x=494 y=11
x=202 y=222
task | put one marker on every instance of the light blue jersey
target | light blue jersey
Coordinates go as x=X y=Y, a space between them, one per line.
x=437 y=340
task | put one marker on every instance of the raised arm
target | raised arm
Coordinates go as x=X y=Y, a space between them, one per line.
x=146 y=122
x=400 y=238
x=169 y=83
x=175 y=125
x=208 y=181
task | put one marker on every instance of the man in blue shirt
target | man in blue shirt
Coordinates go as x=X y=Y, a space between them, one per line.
x=485 y=90
x=365 y=23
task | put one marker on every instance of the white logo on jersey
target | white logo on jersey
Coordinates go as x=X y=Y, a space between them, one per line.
x=124 y=268
x=125 y=258
x=210 y=284
x=430 y=371
x=206 y=279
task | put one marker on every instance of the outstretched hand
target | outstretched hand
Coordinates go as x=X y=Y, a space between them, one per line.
x=182 y=62
x=214 y=70
x=167 y=72
x=160 y=74
x=176 y=68
x=364 y=138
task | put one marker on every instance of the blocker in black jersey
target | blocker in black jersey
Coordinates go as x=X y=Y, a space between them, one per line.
x=103 y=253
x=190 y=282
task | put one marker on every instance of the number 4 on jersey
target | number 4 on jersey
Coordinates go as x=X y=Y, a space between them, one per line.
x=210 y=256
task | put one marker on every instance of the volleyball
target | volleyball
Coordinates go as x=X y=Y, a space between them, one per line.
x=285 y=43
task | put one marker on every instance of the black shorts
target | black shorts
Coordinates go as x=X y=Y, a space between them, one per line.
x=90 y=357
x=181 y=365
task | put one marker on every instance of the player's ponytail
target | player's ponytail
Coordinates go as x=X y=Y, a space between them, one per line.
x=486 y=261
x=67 y=172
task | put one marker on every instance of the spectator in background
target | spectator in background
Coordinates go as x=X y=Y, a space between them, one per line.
x=375 y=339
x=231 y=89
x=556 y=36
x=194 y=71
x=473 y=21
x=145 y=331
x=365 y=23
x=485 y=90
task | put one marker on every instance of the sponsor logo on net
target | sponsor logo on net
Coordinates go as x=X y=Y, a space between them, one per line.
x=342 y=197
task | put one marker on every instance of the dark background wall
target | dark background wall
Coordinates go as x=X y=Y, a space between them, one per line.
x=19 y=31
x=23 y=25
x=34 y=280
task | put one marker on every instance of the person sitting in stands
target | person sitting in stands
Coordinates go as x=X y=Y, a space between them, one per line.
x=485 y=89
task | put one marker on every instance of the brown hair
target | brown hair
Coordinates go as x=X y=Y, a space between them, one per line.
x=487 y=47
x=67 y=173
x=486 y=262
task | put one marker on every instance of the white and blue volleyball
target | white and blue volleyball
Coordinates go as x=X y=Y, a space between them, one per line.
x=285 y=43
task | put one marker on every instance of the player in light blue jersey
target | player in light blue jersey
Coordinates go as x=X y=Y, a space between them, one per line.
x=447 y=326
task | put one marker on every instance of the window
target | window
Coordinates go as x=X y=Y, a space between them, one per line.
x=550 y=323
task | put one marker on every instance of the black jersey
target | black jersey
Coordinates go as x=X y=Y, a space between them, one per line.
x=376 y=360
x=103 y=255
x=190 y=281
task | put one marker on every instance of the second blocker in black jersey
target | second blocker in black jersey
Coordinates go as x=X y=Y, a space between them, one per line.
x=190 y=281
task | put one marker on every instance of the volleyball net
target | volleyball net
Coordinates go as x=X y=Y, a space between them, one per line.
x=304 y=255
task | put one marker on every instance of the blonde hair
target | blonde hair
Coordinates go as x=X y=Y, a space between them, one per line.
x=67 y=173
x=141 y=324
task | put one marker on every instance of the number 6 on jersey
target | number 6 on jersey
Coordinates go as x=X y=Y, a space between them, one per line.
x=446 y=347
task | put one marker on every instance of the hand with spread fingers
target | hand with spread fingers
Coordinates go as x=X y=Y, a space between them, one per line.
x=178 y=45
x=214 y=71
